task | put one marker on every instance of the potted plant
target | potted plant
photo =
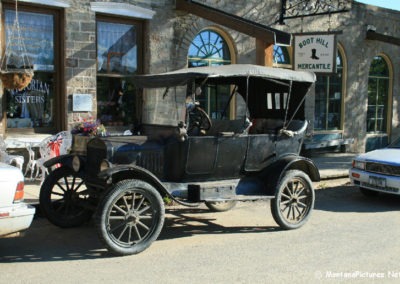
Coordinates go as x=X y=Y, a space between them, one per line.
x=84 y=131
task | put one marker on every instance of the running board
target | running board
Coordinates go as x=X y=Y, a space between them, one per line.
x=241 y=198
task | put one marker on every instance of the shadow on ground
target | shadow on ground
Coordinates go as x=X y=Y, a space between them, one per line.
x=348 y=198
x=46 y=242
x=185 y=222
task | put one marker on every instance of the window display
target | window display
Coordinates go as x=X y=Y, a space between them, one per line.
x=33 y=106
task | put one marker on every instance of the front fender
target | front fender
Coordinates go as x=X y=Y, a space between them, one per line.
x=131 y=171
x=272 y=174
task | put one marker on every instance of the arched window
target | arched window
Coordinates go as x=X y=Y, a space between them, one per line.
x=378 y=95
x=209 y=48
x=328 y=98
x=281 y=55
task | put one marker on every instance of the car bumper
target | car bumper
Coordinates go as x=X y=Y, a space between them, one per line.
x=376 y=182
x=15 y=218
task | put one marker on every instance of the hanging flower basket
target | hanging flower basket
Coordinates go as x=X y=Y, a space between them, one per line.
x=16 y=69
x=16 y=80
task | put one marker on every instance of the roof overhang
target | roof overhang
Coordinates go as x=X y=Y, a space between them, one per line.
x=254 y=29
x=372 y=35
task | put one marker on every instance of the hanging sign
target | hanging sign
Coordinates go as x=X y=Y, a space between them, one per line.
x=315 y=52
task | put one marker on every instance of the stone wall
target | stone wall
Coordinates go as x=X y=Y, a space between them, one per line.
x=351 y=28
x=80 y=56
x=169 y=33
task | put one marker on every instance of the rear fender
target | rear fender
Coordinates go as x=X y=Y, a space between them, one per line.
x=272 y=174
x=131 y=171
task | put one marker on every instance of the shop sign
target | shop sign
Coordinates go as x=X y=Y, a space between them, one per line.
x=315 y=52
x=82 y=102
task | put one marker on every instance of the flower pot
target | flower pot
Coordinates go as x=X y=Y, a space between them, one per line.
x=79 y=144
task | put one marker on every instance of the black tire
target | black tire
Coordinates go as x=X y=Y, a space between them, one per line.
x=124 y=222
x=221 y=206
x=294 y=200
x=368 y=192
x=64 y=198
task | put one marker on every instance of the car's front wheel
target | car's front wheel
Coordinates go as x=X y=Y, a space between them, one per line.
x=294 y=200
x=130 y=217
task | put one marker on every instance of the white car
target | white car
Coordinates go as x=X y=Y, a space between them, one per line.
x=15 y=215
x=378 y=170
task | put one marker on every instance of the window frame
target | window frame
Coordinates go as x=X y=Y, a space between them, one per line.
x=212 y=89
x=327 y=84
x=59 y=113
x=139 y=39
x=140 y=27
x=387 y=107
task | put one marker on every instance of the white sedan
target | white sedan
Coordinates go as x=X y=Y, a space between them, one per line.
x=15 y=215
x=378 y=170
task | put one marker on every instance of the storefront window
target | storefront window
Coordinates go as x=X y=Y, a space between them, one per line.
x=117 y=59
x=33 y=106
x=378 y=94
x=328 y=99
x=209 y=48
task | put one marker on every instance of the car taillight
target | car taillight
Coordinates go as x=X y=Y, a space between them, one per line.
x=19 y=192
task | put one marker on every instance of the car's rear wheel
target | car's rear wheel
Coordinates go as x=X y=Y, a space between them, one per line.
x=130 y=217
x=294 y=200
x=220 y=206
x=64 y=198
x=369 y=192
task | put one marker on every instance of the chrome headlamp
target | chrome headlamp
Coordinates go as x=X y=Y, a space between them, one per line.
x=105 y=165
x=359 y=165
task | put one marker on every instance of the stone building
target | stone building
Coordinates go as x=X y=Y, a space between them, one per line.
x=84 y=52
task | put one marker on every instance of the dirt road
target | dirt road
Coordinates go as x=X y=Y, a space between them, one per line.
x=349 y=237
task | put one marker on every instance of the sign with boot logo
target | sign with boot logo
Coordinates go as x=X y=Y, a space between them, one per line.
x=315 y=52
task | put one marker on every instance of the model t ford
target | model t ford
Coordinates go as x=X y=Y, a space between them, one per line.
x=195 y=157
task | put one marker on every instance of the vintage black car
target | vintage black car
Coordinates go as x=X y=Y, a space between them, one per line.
x=124 y=180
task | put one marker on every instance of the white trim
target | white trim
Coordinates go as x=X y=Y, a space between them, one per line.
x=122 y=9
x=54 y=3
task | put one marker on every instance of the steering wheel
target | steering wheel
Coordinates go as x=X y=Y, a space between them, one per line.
x=199 y=121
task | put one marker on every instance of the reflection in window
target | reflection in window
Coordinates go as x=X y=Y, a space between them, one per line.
x=116 y=48
x=281 y=55
x=116 y=102
x=378 y=91
x=328 y=99
x=34 y=105
x=209 y=48
x=117 y=58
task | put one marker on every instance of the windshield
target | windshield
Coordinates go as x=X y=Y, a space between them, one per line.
x=395 y=143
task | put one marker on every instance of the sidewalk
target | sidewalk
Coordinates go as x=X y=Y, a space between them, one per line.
x=330 y=165
x=333 y=165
